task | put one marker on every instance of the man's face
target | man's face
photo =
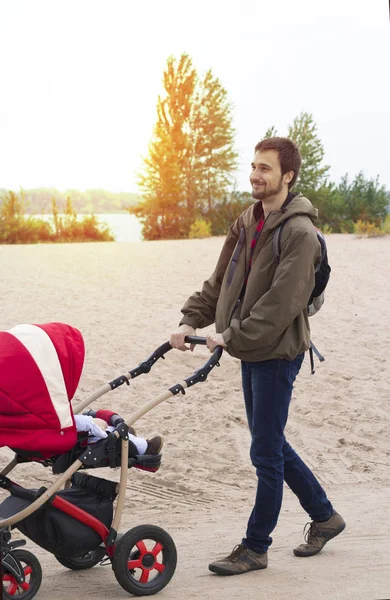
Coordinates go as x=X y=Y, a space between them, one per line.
x=266 y=176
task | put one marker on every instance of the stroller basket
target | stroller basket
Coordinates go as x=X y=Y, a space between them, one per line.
x=55 y=531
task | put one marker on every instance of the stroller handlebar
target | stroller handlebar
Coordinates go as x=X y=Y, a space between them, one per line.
x=201 y=373
x=194 y=339
x=147 y=364
x=144 y=367
x=198 y=376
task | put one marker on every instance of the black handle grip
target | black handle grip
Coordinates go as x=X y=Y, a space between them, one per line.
x=116 y=420
x=145 y=366
x=194 y=339
x=216 y=354
x=202 y=373
x=90 y=413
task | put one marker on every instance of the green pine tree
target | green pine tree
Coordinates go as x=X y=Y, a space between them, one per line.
x=304 y=133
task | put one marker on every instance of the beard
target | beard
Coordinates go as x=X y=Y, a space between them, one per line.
x=268 y=192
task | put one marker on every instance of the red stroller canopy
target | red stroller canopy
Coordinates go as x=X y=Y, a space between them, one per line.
x=40 y=368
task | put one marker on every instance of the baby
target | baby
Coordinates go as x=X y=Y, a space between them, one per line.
x=97 y=429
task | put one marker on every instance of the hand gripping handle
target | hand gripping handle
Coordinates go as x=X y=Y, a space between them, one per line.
x=194 y=339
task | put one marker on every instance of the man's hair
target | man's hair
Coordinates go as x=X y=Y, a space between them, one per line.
x=288 y=152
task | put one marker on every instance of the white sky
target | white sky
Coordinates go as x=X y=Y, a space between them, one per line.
x=80 y=79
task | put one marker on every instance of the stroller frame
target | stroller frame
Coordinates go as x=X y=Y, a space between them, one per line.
x=88 y=458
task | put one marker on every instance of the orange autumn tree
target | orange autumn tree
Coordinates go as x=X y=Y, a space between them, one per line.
x=191 y=157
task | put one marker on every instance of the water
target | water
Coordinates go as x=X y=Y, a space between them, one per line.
x=124 y=227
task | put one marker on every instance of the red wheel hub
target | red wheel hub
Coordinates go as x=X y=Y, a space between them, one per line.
x=146 y=560
x=14 y=586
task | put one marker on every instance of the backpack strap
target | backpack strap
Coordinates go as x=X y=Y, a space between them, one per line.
x=277 y=239
x=276 y=243
x=324 y=253
x=276 y=247
x=312 y=349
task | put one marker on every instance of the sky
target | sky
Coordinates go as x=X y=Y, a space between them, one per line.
x=80 y=80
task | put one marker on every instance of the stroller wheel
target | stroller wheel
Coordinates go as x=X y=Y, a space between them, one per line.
x=145 y=560
x=33 y=577
x=79 y=563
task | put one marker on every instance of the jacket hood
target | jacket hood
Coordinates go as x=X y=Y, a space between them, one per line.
x=298 y=205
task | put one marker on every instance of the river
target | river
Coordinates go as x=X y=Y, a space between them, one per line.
x=124 y=227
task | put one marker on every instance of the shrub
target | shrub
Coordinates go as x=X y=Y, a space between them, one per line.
x=347 y=226
x=366 y=229
x=200 y=229
x=225 y=212
x=386 y=224
x=18 y=228
x=92 y=230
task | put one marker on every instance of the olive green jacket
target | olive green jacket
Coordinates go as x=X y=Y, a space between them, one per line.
x=267 y=318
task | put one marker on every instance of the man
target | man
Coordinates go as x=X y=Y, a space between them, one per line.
x=259 y=308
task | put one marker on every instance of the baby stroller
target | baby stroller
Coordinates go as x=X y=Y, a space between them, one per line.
x=74 y=518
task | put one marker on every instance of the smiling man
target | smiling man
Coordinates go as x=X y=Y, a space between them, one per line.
x=267 y=179
x=259 y=307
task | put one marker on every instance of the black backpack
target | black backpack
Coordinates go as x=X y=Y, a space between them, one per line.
x=322 y=274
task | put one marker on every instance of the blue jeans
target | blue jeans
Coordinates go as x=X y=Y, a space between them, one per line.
x=267 y=387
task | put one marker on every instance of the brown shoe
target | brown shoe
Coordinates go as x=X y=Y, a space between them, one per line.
x=155 y=445
x=319 y=534
x=241 y=560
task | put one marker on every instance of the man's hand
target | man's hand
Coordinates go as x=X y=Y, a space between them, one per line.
x=177 y=337
x=214 y=340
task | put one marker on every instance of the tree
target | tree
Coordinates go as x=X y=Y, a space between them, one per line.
x=331 y=208
x=271 y=132
x=191 y=155
x=341 y=206
x=363 y=199
x=215 y=158
x=227 y=211
x=11 y=217
x=57 y=221
x=162 y=211
x=304 y=133
x=69 y=209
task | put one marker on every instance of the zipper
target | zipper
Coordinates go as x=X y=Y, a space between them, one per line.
x=237 y=304
x=242 y=292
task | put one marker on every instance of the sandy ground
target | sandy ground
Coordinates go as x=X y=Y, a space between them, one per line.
x=126 y=298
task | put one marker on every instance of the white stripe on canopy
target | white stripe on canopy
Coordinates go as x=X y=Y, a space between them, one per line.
x=41 y=348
